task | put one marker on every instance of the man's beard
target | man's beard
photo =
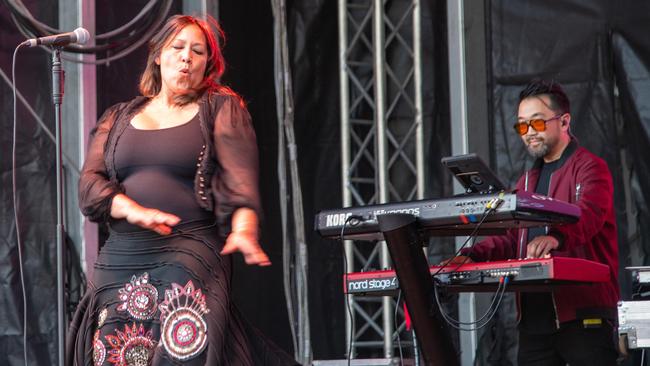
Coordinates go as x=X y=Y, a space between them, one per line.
x=541 y=150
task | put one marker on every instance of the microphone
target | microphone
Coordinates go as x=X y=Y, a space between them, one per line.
x=79 y=35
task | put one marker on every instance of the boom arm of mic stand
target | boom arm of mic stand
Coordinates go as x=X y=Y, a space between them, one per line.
x=400 y=232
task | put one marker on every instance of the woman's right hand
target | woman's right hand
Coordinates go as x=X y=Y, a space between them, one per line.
x=148 y=218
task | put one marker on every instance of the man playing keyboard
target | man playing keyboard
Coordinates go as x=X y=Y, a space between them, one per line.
x=571 y=324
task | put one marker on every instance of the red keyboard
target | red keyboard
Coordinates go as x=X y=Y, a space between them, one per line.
x=485 y=275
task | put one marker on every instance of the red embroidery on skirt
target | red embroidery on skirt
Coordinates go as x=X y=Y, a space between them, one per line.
x=133 y=346
x=139 y=298
x=183 y=331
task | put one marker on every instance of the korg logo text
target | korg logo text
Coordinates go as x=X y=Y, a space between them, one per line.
x=336 y=219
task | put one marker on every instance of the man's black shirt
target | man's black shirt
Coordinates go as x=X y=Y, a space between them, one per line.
x=537 y=308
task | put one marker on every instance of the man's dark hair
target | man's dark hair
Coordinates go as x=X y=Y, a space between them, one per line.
x=559 y=100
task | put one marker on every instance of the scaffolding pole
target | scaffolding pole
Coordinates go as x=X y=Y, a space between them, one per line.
x=382 y=157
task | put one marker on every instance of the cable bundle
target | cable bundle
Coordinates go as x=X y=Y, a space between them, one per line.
x=485 y=318
x=490 y=208
x=109 y=46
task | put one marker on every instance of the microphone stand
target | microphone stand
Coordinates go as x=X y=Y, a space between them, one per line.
x=58 y=79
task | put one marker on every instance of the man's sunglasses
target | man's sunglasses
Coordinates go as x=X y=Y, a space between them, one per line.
x=538 y=124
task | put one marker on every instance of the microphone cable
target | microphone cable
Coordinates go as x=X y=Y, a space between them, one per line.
x=14 y=191
x=70 y=163
x=642 y=357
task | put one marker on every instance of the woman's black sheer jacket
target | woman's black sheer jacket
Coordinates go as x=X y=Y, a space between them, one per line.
x=227 y=168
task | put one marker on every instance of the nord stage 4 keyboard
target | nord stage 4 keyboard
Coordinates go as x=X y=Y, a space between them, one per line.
x=529 y=274
x=450 y=216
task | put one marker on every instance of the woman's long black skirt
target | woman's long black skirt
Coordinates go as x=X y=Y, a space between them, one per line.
x=159 y=300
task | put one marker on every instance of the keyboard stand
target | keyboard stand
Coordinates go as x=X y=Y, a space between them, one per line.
x=401 y=235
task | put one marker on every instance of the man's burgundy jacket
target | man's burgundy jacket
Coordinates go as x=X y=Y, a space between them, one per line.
x=582 y=179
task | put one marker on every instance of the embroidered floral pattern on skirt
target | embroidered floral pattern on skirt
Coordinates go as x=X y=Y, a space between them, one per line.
x=131 y=347
x=102 y=317
x=192 y=296
x=139 y=298
x=99 y=350
x=183 y=329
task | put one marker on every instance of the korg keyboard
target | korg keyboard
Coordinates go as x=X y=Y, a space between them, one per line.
x=450 y=216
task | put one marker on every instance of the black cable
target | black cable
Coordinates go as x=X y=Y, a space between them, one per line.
x=137 y=31
x=125 y=28
x=15 y=204
x=492 y=312
x=399 y=341
x=122 y=53
x=490 y=209
x=494 y=300
x=482 y=317
x=347 y=296
x=471 y=236
x=17 y=8
x=35 y=28
x=124 y=46
x=70 y=163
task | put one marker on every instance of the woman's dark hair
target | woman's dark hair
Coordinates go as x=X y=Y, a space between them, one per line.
x=559 y=100
x=151 y=82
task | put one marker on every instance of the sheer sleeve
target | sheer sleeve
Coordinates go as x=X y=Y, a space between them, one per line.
x=235 y=183
x=96 y=189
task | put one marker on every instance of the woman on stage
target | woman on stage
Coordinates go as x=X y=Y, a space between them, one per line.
x=174 y=174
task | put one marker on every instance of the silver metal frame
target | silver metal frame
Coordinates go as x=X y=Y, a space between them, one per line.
x=460 y=145
x=80 y=111
x=201 y=7
x=377 y=144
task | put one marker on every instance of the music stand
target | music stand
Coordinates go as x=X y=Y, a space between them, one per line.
x=473 y=174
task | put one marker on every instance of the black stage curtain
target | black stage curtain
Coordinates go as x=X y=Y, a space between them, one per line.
x=36 y=182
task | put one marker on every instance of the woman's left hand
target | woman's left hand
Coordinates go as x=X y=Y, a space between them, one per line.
x=247 y=244
x=243 y=238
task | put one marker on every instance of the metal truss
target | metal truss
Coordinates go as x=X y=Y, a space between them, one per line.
x=382 y=145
